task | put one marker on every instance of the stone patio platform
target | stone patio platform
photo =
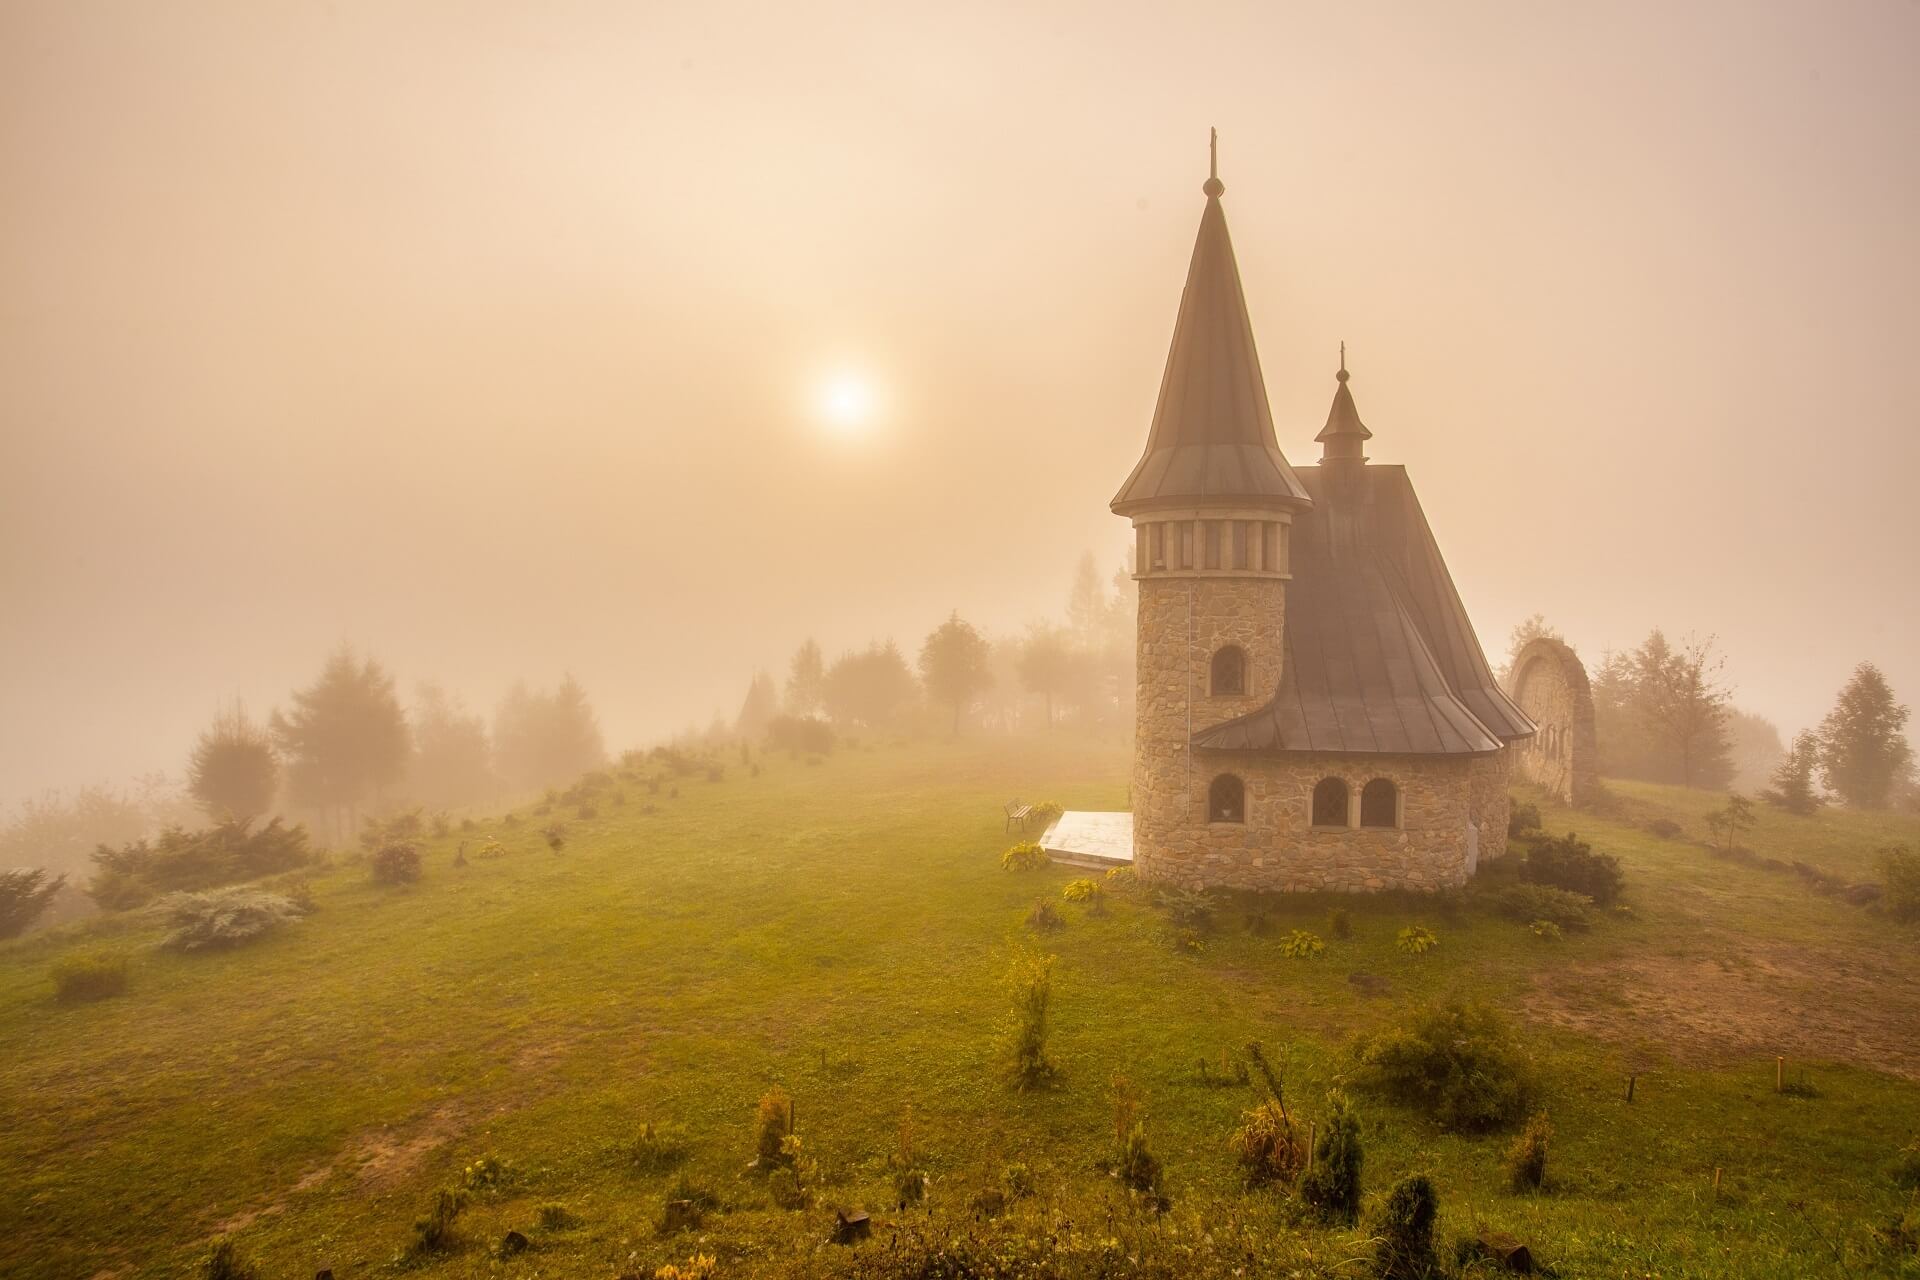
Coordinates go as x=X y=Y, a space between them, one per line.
x=1090 y=839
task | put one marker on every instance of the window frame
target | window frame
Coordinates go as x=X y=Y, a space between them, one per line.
x=1213 y=787
x=1397 y=792
x=1213 y=672
x=1346 y=805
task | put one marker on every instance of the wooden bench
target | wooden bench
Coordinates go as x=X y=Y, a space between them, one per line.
x=1018 y=811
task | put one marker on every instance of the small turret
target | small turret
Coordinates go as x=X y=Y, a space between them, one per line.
x=1344 y=437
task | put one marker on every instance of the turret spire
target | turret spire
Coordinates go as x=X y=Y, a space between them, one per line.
x=1213 y=186
x=1344 y=434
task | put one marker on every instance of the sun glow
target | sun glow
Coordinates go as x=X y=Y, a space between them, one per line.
x=845 y=402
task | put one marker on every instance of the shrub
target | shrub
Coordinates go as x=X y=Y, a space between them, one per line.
x=1043 y=918
x=1122 y=879
x=488 y=1173
x=1301 y=945
x=586 y=813
x=1522 y=818
x=1404 y=1246
x=25 y=892
x=1340 y=923
x=1030 y=980
x=1189 y=908
x=1042 y=815
x=1570 y=863
x=224 y=1262
x=802 y=734
x=1268 y=1146
x=229 y=851
x=788 y=1186
x=1906 y=1166
x=1416 y=940
x=909 y=1179
x=1331 y=1187
x=223 y=917
x=1665 y=828
x=1017 y=1181
x=1900 y=883
x=89 y=975
x=1455 y=1061
x=1025 y=856
x=701 y=1266
x=773 y=1125
x=555 y=1216
x=1526 y=903
x=1082 y=891
x=1137 y=1166
x=435 y=1233
x=397 y=863
x=1527 y=1157
x=658 y=1148
x=1545 y=930
x=442 y=825
x=556 y=835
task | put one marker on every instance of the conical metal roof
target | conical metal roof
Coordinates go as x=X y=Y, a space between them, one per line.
x=1212 y=441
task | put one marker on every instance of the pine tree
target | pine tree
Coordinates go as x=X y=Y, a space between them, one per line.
x=345 y=739
x=233 y=771
x=452 y=756
x=1792 y=787
x=762 y=704
x=953 y=665
x=1862 y=751
x=806 y=680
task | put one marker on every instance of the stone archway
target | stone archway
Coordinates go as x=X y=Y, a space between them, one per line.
x=1550 y=684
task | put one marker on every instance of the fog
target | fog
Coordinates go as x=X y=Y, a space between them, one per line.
x=492 y=338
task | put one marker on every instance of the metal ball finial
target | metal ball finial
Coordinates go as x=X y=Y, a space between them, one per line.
x=1342 y=375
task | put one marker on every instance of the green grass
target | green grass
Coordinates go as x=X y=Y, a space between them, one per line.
x=842 y=930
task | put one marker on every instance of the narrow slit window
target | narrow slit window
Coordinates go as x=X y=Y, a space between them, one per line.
x=1159 y=546
x=1212 y=528
x=1240 y=550
x=1186 y=544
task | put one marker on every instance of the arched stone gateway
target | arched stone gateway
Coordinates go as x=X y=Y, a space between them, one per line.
x=1550 y=684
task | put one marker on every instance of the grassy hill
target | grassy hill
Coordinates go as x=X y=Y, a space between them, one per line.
x=842 y=929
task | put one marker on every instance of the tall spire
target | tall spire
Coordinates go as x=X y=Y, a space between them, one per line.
x=1212 y=440
x=1344 y=434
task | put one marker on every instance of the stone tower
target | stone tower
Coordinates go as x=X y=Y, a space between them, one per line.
x=1212 y=502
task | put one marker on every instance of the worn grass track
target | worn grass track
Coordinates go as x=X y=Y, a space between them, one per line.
x=842 y=929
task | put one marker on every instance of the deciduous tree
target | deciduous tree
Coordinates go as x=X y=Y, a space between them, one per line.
x=1862 y=750
x=954 y=664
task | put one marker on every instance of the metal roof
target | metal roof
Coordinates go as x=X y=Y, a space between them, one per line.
x=1212 y=440
x=1380 y=657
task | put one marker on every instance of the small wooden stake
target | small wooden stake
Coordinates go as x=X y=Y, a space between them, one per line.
x=1780 y=1074
x=1631 y=1080
x=1311 y=1126
x=1716 y=1183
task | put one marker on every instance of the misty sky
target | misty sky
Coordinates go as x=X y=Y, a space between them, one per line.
x=489 y=336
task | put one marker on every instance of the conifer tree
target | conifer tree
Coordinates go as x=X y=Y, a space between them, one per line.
x=345 y=738
x=233 y=771
x=1863 y=754
x=806 y=680
x=1793 y=788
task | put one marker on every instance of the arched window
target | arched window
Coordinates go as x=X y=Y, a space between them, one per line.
x=1227 y=800
x=1380 y=804
x=1330 y=803
x=1229 y=671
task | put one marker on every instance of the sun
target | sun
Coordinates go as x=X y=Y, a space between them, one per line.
x=846 y=403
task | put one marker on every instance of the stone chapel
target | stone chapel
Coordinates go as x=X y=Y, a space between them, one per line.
x=1314 y=710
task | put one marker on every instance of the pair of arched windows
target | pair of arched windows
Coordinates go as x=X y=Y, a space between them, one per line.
x=1379 y=803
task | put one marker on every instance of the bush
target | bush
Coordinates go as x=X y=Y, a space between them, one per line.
x=1545 y=930
x=397 y=863
x=435 y=1233
x=1340 y=923
x=1017 y=1181
x=488 y=1173
x=1526 y=903
x=1137 y=1166
x=656 y=1149
x=89 y=975
x=1416 y=940
x=1025 y=856
x=1900 y=883
x=1189 y=908
x=134 y=874
x=1268 y=1146
x=1455 y=1061
x=1042 y=815
x=1404 y=1248
x=1043 y=918
x=224 y=1262
x=773 y=1125
x=555 y=1216
x=1522 y=818
x=1570 y=863
x=1665 y=828
x=25 y=892
x=555 y=834
x=1083 y=891
x=1301 y=945
x=1527 y=1157
x=223 y=917
x=802 y=734
x=586 y=813
x=701 y=1266
x=1331 y=1187
x=1031 y=983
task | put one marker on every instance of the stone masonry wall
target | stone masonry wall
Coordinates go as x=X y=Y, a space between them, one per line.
x=1550 y=684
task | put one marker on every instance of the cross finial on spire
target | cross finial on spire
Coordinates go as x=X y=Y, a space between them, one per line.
x=1342 y=375
x=1213 y=186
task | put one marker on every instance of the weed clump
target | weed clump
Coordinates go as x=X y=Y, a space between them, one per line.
x=435 y=1232
x=397 y=863
x=1527 y=902
x=1331 y=1186
x=1404 y=1250
x=701 y=1266
x=1017 y=1181
x=223 y=1262
x=1454 y=1061
x=1030 y=980
x=1301 y=945
x=1044 y=918
x=1527 y=1157
x=488 y=1173
x=555 y=834
x=909 y=1179
x=1568 y=862
x=1340 y=924
x=89 y=975
x=773 y=1125
x=657 y=1148
x=1135 y=1164
x=1906 y=1166
x=1416 y=940
x=1268 y=1145
x=1025 y=856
